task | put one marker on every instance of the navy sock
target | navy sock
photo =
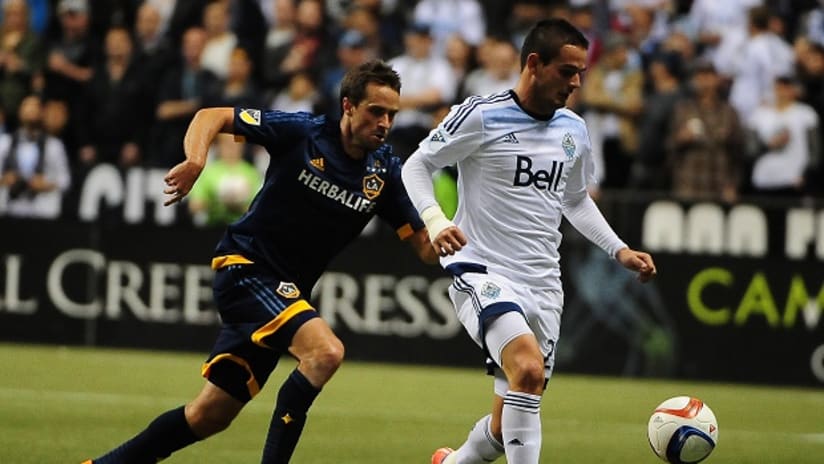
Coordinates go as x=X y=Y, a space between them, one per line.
x=166 y=434
x=294 y=399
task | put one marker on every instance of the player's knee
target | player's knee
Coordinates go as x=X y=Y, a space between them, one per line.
x=527 y=375
x=325 y=358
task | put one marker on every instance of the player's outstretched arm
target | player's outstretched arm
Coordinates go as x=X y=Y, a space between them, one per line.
x=637 y=261
x=205 y=125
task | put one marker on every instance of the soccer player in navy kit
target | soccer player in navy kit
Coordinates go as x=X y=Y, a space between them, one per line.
x=325 y=181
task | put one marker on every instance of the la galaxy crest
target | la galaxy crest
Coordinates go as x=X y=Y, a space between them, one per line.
x=288 y=290
x=250 y=116
x=568 y=144
x=372 y=186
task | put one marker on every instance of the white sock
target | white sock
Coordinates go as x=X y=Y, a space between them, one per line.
x=521 y=424
x=480 y=446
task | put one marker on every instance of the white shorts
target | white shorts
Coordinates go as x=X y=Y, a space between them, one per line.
x=480 y=296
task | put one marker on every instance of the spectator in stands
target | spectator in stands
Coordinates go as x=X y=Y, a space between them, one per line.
x=283 y=28
x=447 y=17
x=239 y=86
x=300 y=94
x=583 y=18
x=248 y=24
x=760 y=59
x=70 y=61
x=649 y=169
x=500 y=70
x=352 y=51
x=153 y=56
x=72 y=56
x=305 y=52
x=461 y=58
x=428 y=83
x=811 y=75
x=705 y=142
x=183 y=91
x=226 y=186
x=21 y=58
x=368 y=22
x=811 y=25
x=220 y=40
x=34 y=169
x=524 y=14
x=789 y=142
x=179 y=16
x=719 y=27
x=612 y=94
x=112 y=130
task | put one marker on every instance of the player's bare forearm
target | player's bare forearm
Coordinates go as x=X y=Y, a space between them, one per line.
x=639 y=262
x=206 y=124
x=423 y=247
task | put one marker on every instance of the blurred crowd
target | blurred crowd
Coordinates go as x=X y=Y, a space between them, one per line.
x=703 y=99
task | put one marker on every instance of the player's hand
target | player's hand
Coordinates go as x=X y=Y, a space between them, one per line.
x=449 y=241
x=180 y=179
x=639 y=262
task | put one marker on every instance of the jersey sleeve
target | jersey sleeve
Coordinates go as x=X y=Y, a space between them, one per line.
x=458 y=136
x=269 y=127
x=582 y=174
x=397 y=210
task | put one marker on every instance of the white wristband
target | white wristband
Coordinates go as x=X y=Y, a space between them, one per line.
x=435 y=221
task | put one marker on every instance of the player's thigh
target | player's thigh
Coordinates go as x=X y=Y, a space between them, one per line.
x=479 y=298
x=260 y=314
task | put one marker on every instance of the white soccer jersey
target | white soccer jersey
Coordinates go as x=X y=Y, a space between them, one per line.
x=516 y=172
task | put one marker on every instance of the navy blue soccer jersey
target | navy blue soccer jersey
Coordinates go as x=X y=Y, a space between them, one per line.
x=315 y=199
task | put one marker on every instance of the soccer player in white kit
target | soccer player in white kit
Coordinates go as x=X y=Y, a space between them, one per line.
x=524 y=162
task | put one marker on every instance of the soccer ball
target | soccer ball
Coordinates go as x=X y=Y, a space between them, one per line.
x=682 y=430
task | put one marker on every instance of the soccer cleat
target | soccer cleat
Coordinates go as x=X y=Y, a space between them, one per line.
x=87 y=461
x=440 y=455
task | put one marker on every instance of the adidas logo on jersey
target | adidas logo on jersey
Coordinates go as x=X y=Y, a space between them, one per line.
x=510 y=138
x=437 y=137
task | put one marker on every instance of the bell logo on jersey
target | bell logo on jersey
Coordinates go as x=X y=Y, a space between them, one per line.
x=372 y=186
x=288 y=290
x=251 y=117
x=540 y=178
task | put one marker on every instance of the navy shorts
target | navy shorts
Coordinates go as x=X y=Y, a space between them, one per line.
x=260 y=314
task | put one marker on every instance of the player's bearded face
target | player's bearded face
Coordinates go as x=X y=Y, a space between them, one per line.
x=372 y=118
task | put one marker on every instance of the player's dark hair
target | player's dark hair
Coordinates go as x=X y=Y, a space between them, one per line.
x=548 y=36
x=353 y=85
x=759 y=17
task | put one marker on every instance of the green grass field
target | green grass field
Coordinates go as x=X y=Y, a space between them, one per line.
x=62 y=405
